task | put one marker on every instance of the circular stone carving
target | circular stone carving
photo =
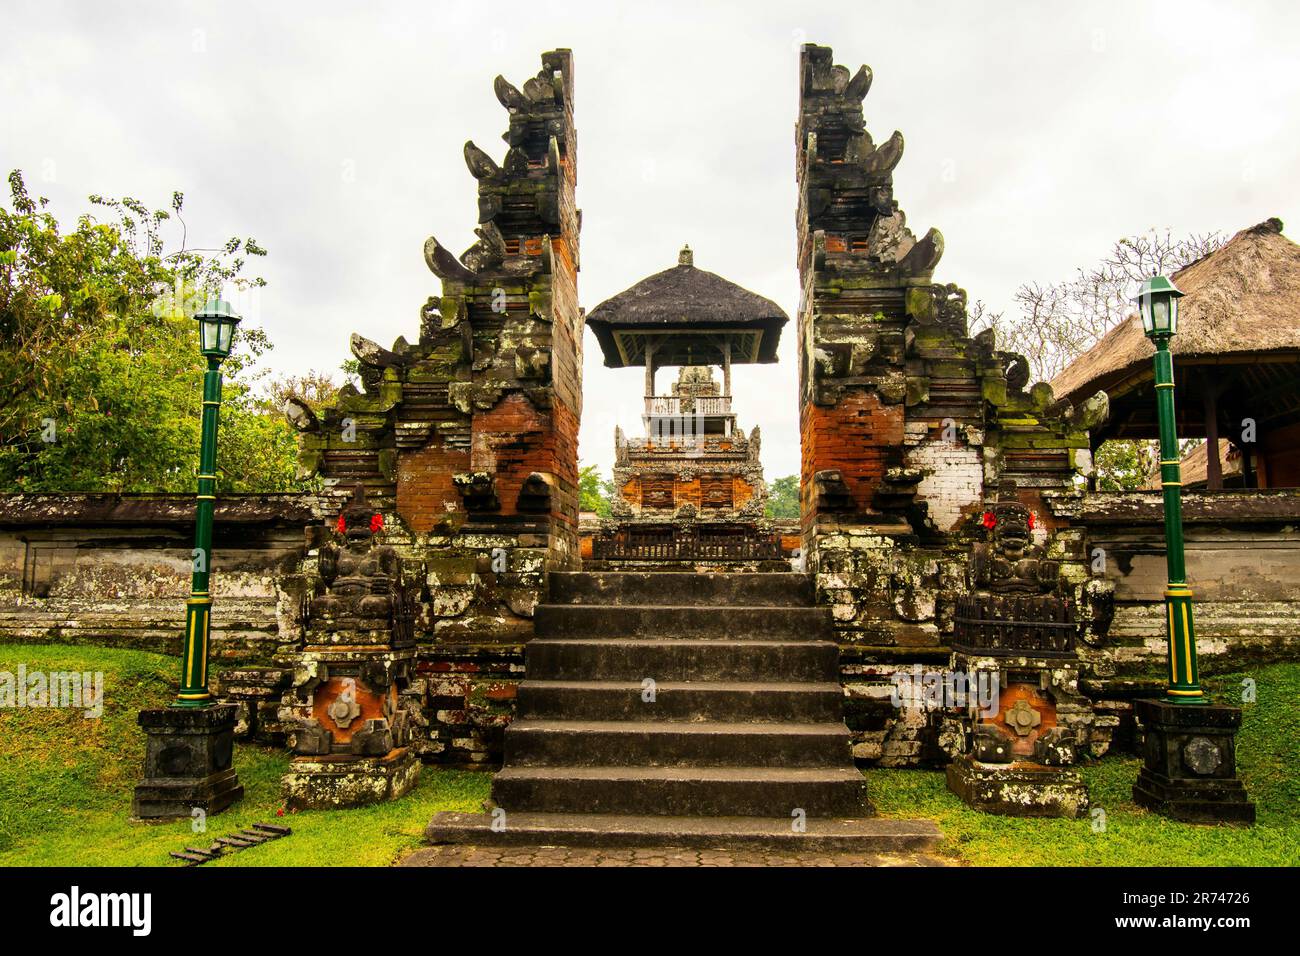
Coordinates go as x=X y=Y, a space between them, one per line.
x=1202 y=756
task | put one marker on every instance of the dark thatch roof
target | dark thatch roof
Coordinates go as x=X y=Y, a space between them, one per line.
x=686 y=301
x=1241 y=299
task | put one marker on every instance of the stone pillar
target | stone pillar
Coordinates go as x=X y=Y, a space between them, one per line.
x=864 y=275
x=1015 y=645
x=906 y=419
x=352 y=702
x=470 y=435
x=467 y=440
x=513 y=299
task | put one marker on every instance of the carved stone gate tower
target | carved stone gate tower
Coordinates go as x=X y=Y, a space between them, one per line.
x=908 y=424
x=470 y=434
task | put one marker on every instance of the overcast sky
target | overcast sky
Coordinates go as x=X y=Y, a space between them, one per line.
x=1037 y=133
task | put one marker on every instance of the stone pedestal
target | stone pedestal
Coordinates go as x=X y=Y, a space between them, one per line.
x=1020 y=761
x=351 y=702
x=1190 y=770
x=334 y=781
x=1016 y=632
x=1020 y=789
x=187 y=762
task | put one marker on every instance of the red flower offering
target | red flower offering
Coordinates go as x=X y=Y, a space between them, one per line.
x=376 y=523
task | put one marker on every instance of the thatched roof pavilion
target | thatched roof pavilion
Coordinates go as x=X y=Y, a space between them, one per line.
x=686 y=316
x=1196 y=468
x=1236 y=360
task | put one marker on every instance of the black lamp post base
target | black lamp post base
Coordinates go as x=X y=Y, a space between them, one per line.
x=1190 y=769
x=188 y=762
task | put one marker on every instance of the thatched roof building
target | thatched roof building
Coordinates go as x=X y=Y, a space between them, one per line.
x=1236 y=360
x=1195 y=468
x=686 y=316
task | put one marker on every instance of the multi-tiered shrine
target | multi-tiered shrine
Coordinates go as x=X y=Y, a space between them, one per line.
x=692 y=486
x=693 y=462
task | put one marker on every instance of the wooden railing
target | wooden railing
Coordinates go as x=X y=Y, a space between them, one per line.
x=1015 y=624
x=686 y=544
x=660 y=405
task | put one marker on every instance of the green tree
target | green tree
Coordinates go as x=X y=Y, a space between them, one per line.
x=315 y=388
x=100 y=373
x=1124 y=465
x=1127 y=465
x=594 y=492
x=783 y=498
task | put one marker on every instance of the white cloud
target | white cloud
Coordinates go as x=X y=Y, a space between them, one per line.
x=1036 y=135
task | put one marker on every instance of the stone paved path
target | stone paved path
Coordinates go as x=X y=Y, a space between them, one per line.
x=463 y=855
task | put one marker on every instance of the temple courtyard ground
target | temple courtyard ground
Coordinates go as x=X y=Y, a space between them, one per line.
x=67 y=783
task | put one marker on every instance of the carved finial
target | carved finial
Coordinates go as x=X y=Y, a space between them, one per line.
x=509 y=96
x=882 y=159
x=443 y=264
x=925 y=255
x=375 y=355
x=686 y=257
x=860 y=84
x=481 y=165
x=300 y=414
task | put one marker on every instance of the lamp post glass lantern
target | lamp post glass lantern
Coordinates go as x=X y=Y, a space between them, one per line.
x=1158 y=302
x=217 y=323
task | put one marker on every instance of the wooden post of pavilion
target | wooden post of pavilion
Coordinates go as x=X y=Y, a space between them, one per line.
x=1213 y=467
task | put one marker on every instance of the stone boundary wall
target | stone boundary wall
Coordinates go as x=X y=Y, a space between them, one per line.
x=112 y=570
x=1243 y=564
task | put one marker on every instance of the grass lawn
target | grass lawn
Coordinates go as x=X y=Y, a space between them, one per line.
x=65 y=791
x=1268 y=761
x=66 y=782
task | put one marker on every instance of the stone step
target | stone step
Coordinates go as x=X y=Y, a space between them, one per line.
x=785 y=589
x=691 y=700
x=821 y=835
x=540 y=743
x=445 y=855
x=683 y=621
x=672 y=659
x=684 y=791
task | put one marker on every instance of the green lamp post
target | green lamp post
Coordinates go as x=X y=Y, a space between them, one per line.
x=189 y=746
x=1158 y=303
x=1189 y=768
x=217 y=323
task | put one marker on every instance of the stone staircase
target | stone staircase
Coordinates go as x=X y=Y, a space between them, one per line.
x=685 y=710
